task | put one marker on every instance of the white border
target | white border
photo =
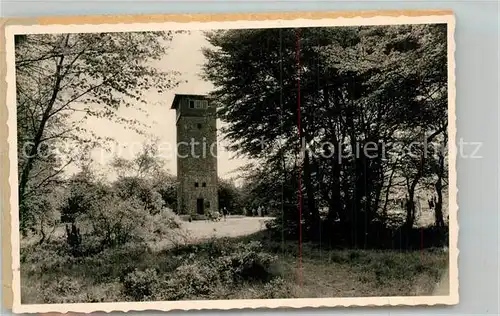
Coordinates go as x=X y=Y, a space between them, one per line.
x=451 y=299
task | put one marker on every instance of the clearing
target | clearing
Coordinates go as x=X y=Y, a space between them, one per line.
x=48 y=275
x=231 y=227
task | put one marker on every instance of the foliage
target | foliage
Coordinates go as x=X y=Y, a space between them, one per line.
x=217 y=264
x=142 y=190
x=117 y=221
x=277 y=288
x=81 y=190
x=167 y=188
x=190 y=280
x=363 y=103
x=74 y=239
x=145 y=178
x=65 y=79
x=131 y=272
x=141 y=285
x=247 y=262
x=105 y=215
x=229 y=196
x=147 y=163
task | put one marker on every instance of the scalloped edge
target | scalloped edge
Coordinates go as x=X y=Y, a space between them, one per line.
x=10 y=240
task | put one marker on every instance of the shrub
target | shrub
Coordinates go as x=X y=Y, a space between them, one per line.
x=141 y=189
x=165 y=221
x=276 y=288
x=74 y=239
x=190 y=281
x=141 y=285
x=223 y=266
x=117 y=221
x=104 y=217
x=82 y=193
x=67 y=286
x=63 y=290
x=168 y=192
x=216 y=247
x=247 y=262
x=46 y=258
x=111 y=220
x=286 y=227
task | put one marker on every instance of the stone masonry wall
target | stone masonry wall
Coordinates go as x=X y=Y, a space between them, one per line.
x=197 y=158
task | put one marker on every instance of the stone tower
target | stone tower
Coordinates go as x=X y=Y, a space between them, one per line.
x=196 y=155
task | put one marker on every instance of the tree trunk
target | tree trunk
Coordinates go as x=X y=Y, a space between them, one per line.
x=312 y=214
x=438 y=214
x=410 y=206
x=28 y=166
x=378 y=193
x=387 y=192
x=335 y=209
x=42 y=231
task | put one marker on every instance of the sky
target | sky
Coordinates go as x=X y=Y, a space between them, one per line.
x=184 y=55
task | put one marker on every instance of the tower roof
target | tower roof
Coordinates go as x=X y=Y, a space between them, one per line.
x=178 y=96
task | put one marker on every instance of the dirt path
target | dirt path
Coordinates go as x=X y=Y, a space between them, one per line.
x=231 y=227
x=197 y=231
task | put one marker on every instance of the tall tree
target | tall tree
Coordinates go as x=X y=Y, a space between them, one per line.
x=59 y=76
x=261 y=105
x=363 y=91
x=403 y=74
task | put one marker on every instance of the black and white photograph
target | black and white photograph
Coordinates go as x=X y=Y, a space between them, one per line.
x=305 y=162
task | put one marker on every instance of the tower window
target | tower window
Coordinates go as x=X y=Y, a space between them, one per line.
x=196 y=184
x=198 y=104
x=199 y=126
x=203 y=184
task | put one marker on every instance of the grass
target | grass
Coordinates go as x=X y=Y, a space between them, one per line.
x=50 y=276
x=358 y=273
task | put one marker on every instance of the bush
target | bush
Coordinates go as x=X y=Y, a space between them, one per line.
x=46 y=258
x=117 y=221
x=206 y=271
x=276 y=288
x=95 y=210
x=166 y=220
x=142 y=190
x=82 y=193
x=284 y=227
x=229 y=197
x=190 y=281
x=66 y=286
x=74 y=239
x=247 y=262
x=141 y=285
x=64 y=290
x=217 y=247
x=168 y=192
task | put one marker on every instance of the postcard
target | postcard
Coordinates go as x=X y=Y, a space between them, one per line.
x=232 y=161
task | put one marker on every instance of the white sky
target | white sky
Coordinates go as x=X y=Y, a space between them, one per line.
x=186 y=57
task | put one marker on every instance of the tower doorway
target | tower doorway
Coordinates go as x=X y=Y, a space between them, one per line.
x=200 y=207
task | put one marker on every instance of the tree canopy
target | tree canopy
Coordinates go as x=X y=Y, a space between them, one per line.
x=368 y=103
x=64 y=79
